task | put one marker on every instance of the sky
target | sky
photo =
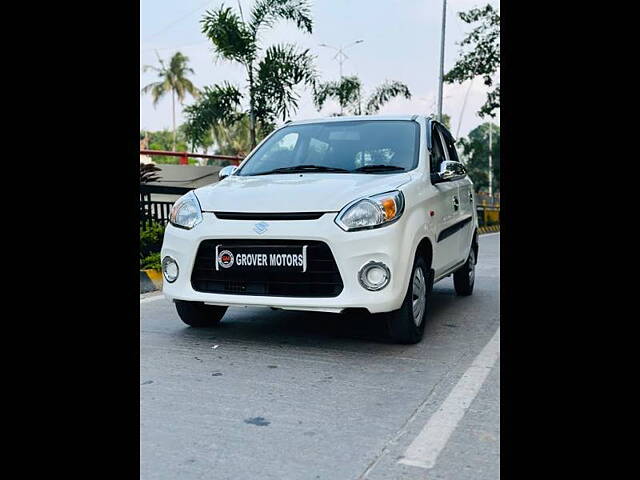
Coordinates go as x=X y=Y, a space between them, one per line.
x=401 y=42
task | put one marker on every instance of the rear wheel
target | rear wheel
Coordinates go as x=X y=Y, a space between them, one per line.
x=198 y=314
x=406 y=325
x=464 y=278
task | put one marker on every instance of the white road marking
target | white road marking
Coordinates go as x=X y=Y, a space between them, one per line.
x=489 y=234
x=151 y=299
x=425 y=448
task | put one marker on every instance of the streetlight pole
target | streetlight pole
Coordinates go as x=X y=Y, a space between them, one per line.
x=441 y=79
x=341 y=56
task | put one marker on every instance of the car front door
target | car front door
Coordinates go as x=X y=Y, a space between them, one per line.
x=466 y=198
x=446 y=210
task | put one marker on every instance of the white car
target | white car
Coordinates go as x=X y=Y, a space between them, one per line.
x=332 y=215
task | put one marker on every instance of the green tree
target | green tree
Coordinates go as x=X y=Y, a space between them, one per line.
x=230 y=139
x=348 y=93
x=216 y=109
x=482 y=56
x=173 y=79
x=271 y=77
x=165 y=140
x=475 y=155
x=234 y=138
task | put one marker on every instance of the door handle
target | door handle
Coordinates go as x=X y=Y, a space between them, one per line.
x=471 y=197
x=456 y=203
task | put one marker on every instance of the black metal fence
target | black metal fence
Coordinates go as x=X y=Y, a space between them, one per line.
x=156 y=210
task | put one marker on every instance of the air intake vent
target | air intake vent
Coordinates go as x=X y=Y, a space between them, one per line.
x=321 y=279
x=268 y=216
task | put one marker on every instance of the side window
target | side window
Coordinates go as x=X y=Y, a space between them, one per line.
x=437 y=151
x=450 y=145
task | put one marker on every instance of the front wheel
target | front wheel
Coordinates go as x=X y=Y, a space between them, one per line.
x=464 y=278
x=406 y=325
x=198 y=314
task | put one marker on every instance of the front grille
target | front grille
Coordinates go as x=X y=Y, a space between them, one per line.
x=268 y=216
x=322 y=278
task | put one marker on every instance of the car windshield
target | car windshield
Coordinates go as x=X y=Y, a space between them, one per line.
x=362 y=146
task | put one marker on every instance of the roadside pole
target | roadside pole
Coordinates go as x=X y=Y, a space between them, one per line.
x=441 y=77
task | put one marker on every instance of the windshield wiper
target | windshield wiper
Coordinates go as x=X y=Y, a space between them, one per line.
x=378 y=168
x=303 y=168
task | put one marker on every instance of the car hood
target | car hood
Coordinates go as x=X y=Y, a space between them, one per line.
x=308 y=192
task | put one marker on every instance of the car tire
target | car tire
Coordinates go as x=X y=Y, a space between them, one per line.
x=464 y=278
x=402 y=325
x=197 y=314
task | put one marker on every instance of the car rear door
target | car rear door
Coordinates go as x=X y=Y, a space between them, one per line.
x=446 y=210
x=466 y=199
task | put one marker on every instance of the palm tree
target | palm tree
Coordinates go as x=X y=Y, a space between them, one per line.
x=173 y=78
x=271 y=77
x=148 y=172
x=233 y=139
x=348 y=93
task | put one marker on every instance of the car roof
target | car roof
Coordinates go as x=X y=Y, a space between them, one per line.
x=352 y=118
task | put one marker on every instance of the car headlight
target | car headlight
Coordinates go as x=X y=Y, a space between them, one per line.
x=186 y=212
x=371 y=212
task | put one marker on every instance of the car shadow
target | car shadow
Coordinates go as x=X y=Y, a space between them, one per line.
x=270 y=326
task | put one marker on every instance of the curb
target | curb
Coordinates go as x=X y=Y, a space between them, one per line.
x=490 y=229
x=150 y=280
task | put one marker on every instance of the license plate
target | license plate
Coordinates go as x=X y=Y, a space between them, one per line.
x=271 y=258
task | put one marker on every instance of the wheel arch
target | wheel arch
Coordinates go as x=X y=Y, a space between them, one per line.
x=425 y=250
x=474 y=243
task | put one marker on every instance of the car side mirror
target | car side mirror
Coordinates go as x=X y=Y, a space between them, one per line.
x=449 y=172
x=226 y=171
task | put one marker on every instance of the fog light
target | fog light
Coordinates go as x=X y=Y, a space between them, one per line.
x=170 y=269
x=374 y=276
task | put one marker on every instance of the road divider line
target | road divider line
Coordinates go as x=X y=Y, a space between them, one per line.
x=425 y=448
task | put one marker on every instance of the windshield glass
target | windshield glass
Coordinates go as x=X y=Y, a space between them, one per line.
x=367 y=146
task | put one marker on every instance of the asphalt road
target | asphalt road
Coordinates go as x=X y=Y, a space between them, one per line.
x=295 y=395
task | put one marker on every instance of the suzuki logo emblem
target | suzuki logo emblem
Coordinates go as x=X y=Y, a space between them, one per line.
x=260 y=228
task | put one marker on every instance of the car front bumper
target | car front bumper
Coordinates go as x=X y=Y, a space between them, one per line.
x=351 y=250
